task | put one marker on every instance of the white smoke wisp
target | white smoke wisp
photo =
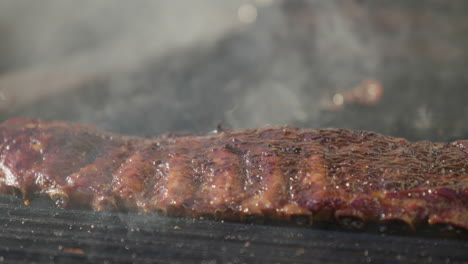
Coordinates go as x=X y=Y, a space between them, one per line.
x=319 y=49
x=90 y=38
x=121 y=31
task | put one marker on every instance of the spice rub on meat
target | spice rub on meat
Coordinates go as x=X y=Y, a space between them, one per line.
x=276 y=173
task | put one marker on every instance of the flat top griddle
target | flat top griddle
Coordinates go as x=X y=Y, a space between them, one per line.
x=45 y=235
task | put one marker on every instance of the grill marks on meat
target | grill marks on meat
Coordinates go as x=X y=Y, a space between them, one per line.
x=274 y=173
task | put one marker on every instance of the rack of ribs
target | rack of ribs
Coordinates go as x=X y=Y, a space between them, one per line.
x=278 y=173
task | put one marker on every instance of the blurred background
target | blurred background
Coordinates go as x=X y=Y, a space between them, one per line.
x=148 y=67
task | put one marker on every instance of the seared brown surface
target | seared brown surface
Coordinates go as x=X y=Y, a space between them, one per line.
x=277 y=173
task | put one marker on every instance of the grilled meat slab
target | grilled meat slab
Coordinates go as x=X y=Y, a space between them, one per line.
x=276 y=173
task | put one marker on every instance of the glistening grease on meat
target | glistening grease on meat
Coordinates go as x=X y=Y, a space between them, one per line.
x=276 y=173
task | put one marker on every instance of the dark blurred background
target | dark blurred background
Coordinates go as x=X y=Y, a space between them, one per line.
x=148 y=67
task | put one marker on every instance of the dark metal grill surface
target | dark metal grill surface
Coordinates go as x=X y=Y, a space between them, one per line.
x=38 y=235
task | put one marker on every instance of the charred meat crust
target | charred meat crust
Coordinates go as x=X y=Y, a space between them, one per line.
x=275 y=173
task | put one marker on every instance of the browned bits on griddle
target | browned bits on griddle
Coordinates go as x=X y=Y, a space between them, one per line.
x=286 y=174
x=78 y=251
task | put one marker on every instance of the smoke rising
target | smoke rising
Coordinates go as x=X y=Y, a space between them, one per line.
x=104 y=33
x=148 y=67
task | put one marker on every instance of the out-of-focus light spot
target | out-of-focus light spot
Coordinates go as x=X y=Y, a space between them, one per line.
x=373 y=89
x=338 y=99
x=247 y=13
